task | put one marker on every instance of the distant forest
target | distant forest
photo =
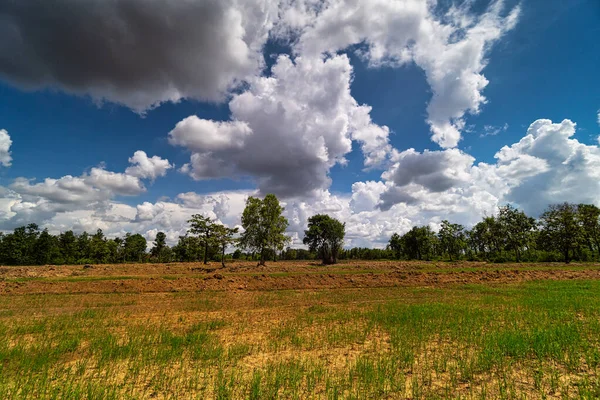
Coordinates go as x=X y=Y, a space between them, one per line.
x=564 y=232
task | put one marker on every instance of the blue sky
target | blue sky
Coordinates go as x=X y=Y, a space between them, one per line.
x=544 y=67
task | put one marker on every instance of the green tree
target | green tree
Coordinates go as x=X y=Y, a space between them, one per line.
x=588 y=217
x=160 y=250
x=135 y=247
x=46 y=249
x=15 y=247
x=223 y=236
x=395 y=245
x=204 y=228
x=264 y=226
x=187 y=249
x=99 y=251
x=419 y=243
x=67 y=243
x=325 y=235
x=516 y=229
x=115 y=250
x=452 y=239
x=559 y=230
x=83 y=247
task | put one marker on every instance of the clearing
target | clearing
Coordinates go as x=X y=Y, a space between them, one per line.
x=359 y=329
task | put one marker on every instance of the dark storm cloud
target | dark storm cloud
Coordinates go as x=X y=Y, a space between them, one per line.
x=134 y=52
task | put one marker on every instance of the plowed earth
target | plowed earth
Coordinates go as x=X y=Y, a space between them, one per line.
x=247 y=276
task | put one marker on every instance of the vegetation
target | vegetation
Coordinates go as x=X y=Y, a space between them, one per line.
x=264 y=226
x=325 y=236
x=564 y=232
x=203 y=227
x=471 y=341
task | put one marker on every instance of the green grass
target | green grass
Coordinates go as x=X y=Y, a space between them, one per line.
x=533 y=340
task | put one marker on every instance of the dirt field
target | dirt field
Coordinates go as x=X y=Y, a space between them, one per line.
x=298 y=330
x=153 y=278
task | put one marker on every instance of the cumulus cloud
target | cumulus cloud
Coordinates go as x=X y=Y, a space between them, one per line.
x=419 y=188
x=134 y=52
x=436 y=171
x=5 y=143
x=449 y=45
x=566 y=170
x=92 y=192
x=546 y=166
x=287 y=130
x=145 y=167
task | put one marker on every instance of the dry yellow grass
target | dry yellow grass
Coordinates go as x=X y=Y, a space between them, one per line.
x=296 y=330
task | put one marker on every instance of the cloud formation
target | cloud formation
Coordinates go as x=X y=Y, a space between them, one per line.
x=145 y=167
x=134 y=52
x=546 y=166
x=25 y=200
x=286 y=131
x=449 y=45
x=5 y=143
x=419 y=188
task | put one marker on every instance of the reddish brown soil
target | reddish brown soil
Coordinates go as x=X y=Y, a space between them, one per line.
x=153 y=278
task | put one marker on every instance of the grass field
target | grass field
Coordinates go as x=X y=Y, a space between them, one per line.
x=295 y=330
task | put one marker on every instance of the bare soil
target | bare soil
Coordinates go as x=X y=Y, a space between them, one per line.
x=284 y=275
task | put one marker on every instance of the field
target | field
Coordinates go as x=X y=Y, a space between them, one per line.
x=298 y=330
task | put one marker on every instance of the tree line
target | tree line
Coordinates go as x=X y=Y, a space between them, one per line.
x=564 y=232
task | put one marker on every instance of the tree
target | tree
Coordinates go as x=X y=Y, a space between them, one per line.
x=325 y=235
x=115 y=250
x=516 y=228
x=588 y=217
x=452 y=239
x=419 y=243
x=83 y=247
x=559 y=230
x=204 y=228
x=395 y=244
x=99 y=251
x=46 y=249
x=223 y=237
x=160 y=245
x=264 y=226
x=67 y=244
x=187 y=249
x=135 y=247
x=486 y=237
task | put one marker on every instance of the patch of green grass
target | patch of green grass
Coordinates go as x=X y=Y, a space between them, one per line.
x=532 y=340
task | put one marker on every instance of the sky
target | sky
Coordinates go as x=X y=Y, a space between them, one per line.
x=132 y=115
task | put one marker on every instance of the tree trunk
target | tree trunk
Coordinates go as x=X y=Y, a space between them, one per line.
x=206 y=252
x=262 y=257
x=223 y=257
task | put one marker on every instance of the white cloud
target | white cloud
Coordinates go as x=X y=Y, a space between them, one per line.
x=92 y=192
x=451 y=48
x=491 y=130
x=201 y=135
x=559 y=168
x=5 y=143
x=546 y=166
x=286 y=130
x=145 y=167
